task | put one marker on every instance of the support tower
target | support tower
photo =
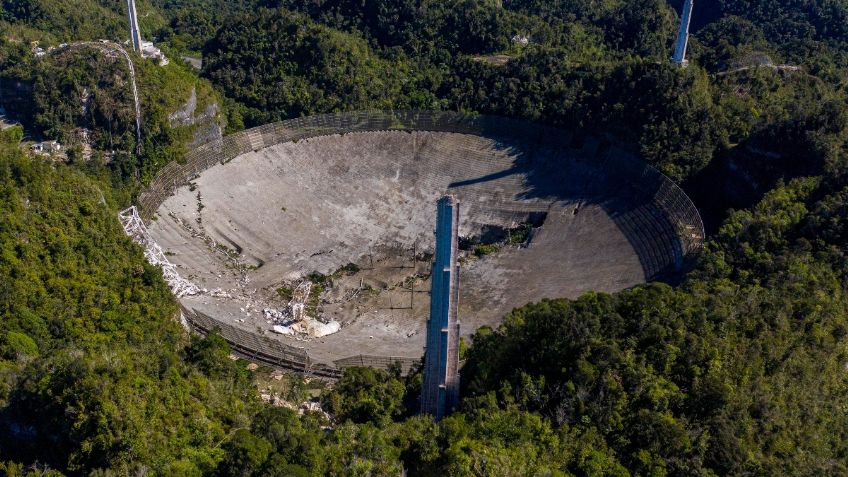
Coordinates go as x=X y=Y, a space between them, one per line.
x=135 y=33
x=683 y=36
x=440 y=389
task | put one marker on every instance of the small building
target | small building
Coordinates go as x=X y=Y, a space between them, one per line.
x=46 y=147
x=149 y=50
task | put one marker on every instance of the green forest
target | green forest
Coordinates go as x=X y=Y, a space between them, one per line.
x=740 y=368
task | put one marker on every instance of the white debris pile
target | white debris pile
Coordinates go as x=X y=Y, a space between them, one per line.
x=134 y=227
x=308 y=327
x=293 y=319
x=319 y=329
x=283 y=330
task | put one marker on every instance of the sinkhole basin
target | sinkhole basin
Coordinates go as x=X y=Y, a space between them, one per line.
x=350 y=201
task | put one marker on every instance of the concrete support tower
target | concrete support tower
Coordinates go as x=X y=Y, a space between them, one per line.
x=135 y=33
x=683 y=36
x=440 y=389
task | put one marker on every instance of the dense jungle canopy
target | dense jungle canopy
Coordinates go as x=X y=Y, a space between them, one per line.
x=741 y=368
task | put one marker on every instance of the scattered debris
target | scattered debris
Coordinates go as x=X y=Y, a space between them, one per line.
x=283 y=330
x=134 y=227
x=293 y=319
x=37 y=50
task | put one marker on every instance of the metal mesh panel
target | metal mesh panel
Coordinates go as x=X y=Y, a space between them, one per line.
x=380 y=362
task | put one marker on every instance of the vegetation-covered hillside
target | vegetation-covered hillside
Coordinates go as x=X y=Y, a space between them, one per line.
x=740 y=369
x=95 y=370
x=80 y=92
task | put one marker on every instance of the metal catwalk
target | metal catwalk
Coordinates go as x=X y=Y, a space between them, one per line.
x=440 y=389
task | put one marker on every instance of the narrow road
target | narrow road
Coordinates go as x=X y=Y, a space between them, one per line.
x=771 y=66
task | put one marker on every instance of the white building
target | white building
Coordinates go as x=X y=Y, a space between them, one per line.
x=46 y=147
x=148 y=50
